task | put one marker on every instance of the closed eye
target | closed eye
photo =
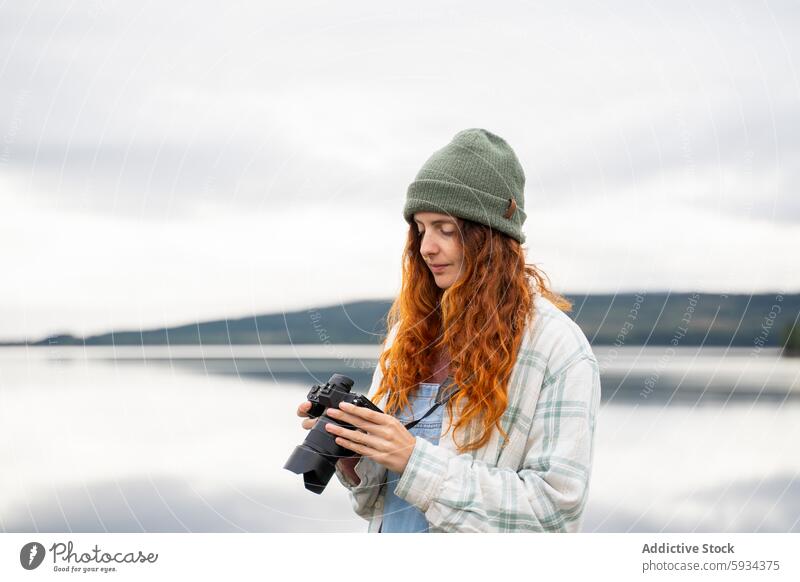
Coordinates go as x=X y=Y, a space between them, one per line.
x=444 y=232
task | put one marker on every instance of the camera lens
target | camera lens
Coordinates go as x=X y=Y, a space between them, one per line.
x=316 y=458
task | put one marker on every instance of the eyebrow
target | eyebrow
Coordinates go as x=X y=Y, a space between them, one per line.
x=435 y=222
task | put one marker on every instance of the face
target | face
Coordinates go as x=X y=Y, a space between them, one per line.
x=440 y=246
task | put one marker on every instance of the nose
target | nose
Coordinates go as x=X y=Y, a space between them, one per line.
x=428 y=247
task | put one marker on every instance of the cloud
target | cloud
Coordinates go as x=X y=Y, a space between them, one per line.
x=127 y=122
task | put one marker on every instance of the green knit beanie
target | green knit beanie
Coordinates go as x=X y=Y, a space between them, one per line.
x=476 y=176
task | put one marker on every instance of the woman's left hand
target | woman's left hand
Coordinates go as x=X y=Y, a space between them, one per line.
x=385 y=440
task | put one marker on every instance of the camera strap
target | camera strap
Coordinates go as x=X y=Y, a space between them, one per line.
x=446 y=391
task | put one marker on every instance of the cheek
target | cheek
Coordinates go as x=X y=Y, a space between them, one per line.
x=455 y=252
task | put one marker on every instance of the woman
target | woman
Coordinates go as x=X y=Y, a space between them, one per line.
x=511 y=449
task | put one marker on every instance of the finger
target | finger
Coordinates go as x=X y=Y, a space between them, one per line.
x=341 y=416
x=303 y=409
x=354 y=446
x=365 y=413
x=355 y=436
x=309 y=423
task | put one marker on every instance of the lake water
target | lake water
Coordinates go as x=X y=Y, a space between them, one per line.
x=194 y=439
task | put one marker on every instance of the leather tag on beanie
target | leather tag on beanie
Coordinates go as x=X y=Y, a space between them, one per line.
x=512 y=207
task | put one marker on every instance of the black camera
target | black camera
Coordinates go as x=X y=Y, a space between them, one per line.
x=316 y=458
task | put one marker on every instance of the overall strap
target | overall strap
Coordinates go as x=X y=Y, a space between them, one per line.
x=446 y=391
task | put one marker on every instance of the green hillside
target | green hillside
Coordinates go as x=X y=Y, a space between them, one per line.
x=625 y=319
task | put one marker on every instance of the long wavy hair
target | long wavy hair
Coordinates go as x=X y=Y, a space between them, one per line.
x=479 y=320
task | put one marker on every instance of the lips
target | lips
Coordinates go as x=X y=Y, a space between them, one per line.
x=438 y=268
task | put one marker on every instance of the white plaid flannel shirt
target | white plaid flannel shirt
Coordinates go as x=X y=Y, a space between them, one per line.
x=535 y=481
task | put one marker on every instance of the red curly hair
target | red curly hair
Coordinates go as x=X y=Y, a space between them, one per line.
x=479 y=320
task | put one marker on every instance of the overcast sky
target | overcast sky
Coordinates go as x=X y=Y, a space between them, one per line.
x=170 y=163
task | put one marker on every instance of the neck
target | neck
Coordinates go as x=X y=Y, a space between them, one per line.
x=441 y=368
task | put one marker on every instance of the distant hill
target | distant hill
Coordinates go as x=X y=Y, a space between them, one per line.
x=626 y=318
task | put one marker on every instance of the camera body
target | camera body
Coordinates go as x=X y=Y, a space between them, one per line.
x=316 y=457
x=333 y=393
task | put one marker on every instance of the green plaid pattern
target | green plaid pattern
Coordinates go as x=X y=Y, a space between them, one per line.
x=538 y=479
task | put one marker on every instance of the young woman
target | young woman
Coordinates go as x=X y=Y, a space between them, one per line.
x=511 y=449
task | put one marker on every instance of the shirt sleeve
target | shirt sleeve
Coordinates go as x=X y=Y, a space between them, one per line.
x=364 y=495
x=548 y=493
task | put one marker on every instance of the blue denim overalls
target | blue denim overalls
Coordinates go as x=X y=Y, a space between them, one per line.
x=398 y=515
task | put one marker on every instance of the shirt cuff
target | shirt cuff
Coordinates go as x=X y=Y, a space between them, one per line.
x=423 y=475
x=365 y=468
x=344 y=477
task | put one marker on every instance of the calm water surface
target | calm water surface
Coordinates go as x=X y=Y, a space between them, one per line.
x=177 y=439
